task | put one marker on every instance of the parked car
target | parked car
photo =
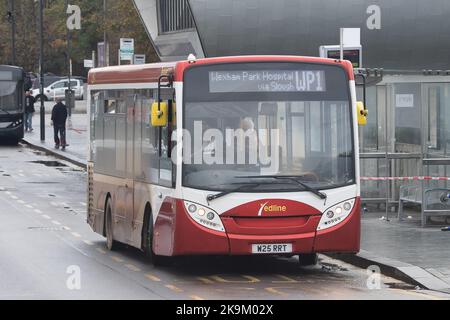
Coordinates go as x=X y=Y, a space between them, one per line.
x=49 y=78
x=58 y=89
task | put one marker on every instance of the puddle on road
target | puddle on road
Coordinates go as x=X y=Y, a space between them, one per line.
x=332 y=267
x=50 y=163
x=68 y=170
x=3 y=189
x=401 y=286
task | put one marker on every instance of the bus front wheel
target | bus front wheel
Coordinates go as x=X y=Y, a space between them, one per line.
x=111 y=244
x=307 y=259
x=147 y=241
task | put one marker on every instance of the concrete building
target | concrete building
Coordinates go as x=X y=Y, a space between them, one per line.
x=409 y=108
x=401 y=34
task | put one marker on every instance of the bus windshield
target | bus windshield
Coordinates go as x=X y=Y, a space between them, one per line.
x=8 y=96
x=271 y=119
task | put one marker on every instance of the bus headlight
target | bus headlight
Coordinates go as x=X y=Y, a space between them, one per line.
x=198 y=212
x=336 y=214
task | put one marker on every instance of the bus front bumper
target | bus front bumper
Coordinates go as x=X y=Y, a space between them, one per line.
x=176 y=233
x=14 y=132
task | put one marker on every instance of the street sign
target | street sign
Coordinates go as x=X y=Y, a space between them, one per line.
x=351 y=53
x=350 y=44
x=126 y=51
x=88 y=63
x=101 y=49
x=139 y=59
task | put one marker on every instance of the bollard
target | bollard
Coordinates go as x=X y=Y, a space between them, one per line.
x=70 y=101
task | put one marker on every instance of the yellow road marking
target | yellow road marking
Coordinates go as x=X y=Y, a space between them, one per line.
x=205 y=280
x=285 y=279
x=152 y=277
x=249 y=279
x=132 y=267
x=100 y=250
x=275 y=291
x=173 y=288
x=116 y=259
x=194 y=297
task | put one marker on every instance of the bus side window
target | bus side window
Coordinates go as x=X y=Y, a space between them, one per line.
x=150 y=142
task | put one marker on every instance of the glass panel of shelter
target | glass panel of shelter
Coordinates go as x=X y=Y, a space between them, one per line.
x=436 y=140
x=407 y=121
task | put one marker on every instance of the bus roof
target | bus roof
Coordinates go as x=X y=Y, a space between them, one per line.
x=151 y=72
x=141 y=73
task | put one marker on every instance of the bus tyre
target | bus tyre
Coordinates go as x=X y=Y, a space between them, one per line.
x=308 y=259
x=111 y=244
x=148 y=242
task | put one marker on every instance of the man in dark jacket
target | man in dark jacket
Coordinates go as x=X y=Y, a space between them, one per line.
x=29 y=110
x=59 y=117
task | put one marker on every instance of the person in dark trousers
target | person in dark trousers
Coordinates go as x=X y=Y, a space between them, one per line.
x=29 y=110
x=59 y=117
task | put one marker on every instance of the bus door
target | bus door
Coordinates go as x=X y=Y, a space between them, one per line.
x=129 y=174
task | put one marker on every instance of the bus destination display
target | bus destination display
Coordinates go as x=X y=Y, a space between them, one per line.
x=267 y=81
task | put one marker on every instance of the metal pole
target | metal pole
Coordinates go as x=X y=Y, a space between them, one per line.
x=341 y=43
x=13 y=33
x=41 y=67
x=69 y=66
x=388 y=163
x=104 y=33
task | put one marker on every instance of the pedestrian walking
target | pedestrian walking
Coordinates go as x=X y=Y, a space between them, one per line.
x=59 y=118
x=29 y=111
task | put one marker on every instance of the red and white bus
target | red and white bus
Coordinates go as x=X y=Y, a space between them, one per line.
x=226 y=156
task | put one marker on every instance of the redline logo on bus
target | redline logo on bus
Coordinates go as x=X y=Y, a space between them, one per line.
x=271 y=209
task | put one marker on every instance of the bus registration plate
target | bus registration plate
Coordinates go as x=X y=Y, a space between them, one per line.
x=272 y=248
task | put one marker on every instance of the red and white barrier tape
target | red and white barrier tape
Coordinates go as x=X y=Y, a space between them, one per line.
x=416 y=178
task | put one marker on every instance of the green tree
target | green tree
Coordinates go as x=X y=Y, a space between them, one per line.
x=122 y=21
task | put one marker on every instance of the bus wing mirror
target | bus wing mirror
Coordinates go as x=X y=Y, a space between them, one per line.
x=362 y=113
x=159 y=114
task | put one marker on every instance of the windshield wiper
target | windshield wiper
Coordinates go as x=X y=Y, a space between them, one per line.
x=244 y=187
x=295 y=179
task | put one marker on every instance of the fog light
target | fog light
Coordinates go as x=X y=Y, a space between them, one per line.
x=192 y=208
x=338 y=210
x=201 y=212
x=330 y=214
x=347 y=206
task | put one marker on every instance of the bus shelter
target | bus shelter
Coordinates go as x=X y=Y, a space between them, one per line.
x=405 y=146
